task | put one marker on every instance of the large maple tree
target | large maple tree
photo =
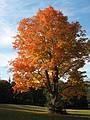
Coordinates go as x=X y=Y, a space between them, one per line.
x=48 y=46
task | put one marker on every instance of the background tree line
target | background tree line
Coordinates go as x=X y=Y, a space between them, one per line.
x=71 y=96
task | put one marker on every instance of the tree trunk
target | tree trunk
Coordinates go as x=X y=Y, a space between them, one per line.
x=56 y=103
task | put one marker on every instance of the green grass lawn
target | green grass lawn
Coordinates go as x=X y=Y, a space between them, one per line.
x=26 y=112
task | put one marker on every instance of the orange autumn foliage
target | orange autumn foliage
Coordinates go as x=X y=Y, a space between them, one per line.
x=45 y=41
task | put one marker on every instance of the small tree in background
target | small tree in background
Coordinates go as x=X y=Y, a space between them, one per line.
x=6 y=92
x=49 y=47
x=74 y=91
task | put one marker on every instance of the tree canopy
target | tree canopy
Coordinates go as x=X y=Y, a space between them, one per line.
x=44 y=41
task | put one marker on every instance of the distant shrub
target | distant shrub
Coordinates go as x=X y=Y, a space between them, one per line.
x=6 y=92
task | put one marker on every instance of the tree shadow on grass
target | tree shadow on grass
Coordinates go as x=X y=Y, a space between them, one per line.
x=13 y=114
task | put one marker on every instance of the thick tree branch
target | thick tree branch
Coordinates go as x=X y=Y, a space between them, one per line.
x=48 y=81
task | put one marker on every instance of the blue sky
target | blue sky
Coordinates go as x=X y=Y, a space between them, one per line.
x=12 y=11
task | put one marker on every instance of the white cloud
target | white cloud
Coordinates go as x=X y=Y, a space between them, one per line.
x=3 y=5
x=6 y=34
x=5 y=58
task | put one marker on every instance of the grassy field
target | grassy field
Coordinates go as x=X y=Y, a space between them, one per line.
x=26 y=112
